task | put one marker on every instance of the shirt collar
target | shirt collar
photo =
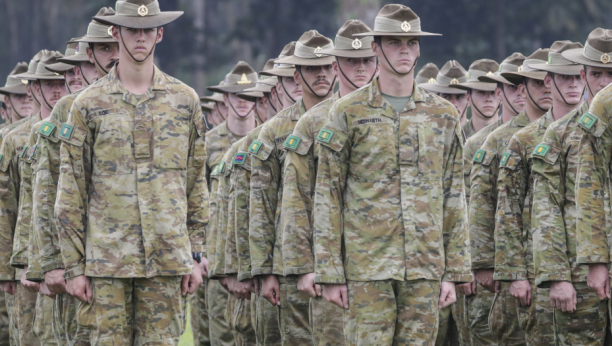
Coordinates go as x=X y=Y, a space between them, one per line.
x=116 y=87
x=376 y=99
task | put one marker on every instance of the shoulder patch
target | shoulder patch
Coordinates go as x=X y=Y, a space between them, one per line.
x=504 y=158
x=239 y=159
x=221 y=167
x=1 y=157
x=587 y=121
x=541 y=150
x=66 y=131
x=254 y=147
x=23 y=152
x=46 y=129
x=292 y=142
x=479 y=156
x=325 y=135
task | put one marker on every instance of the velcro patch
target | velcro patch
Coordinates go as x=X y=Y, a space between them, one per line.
x=46 y=129
x=479 y=156
x=541 y=150
x=66 y=131
x=23 y=152
x=587 y=120
x=239 y=159
x=254 y=147
x=292 y=142
x=504 y=158
x=325 y=135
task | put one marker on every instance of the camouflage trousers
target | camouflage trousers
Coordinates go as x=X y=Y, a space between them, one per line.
x=459 y=314
x=294 y=313
x=537 y=319
x=135 y=311
x=43 y=322
x=478 y=307
x=265 y=321
x=448 y=335
x=199 y=316
x=239 y=317
x=65 y=325
x=5 y=334
x=504 y=319
x=326 y=322
x=24 y=308
x=587 y=325
x=216 y=301
x=392 y=312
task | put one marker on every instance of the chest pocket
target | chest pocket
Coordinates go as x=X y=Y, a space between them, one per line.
x=374 y=149
x=430 y=152
x=171 y=140
x=113 y=142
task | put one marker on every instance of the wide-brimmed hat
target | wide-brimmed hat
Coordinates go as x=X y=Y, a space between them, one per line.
x=265 y=78
x=282 y=70
x=79 y=57
x=482 y=67
x=510 y=64
x=139 y=14
x=42 y=73
x=263 y=86
x=451 y=73
x=62 y=67
x=427 y=74
x=215 y=97
x=15 y=86
x=32 y=66
x=308 y=51
x=98 y=32
x=207 y=106
x=397 y=20
x=540 y=56
x=347 y=46
x=557 y=63
x=597 y=51
x=241 y=77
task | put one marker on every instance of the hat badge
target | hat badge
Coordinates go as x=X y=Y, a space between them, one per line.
x=490 y=74
x=24 y=81
x=244 y=80
x=431 y=80
x=520 y=69
x=143 y=10
x=356 y=43
x=110 y=31
x=318 y=49
x=454 y=81
x=605 y=58
x=405 y=26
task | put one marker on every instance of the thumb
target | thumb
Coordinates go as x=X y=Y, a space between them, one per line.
x=256 y=285
x=318 y=289
x=344 y=297
x=89 y=293
x=184 y=284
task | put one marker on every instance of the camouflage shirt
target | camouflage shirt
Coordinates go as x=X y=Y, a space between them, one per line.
x=554 y=202
x=267 y=160
x=231 y=264
x=483 y=191
x=513 y=232
x=299 y=187
x=472 y=144
x=468 y=130
x=389 y=200
x=35 y=272
x=139 y=162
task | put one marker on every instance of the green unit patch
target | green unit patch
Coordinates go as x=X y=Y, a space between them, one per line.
x=587 y=120
x=239 y=159
x=254 y=147
x=292 y=142
x=46 y=129
x=220 y=168
x=66 y=131
x=541 y=150
x=23 y=152
x=325 y=135
x=505 y=158
x=479 y=156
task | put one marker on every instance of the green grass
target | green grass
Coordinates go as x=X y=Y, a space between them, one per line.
x=187 y=337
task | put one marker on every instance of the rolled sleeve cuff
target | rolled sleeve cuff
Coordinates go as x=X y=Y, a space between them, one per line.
x=458 y=277
x=75 y=271
x=197 y=245
x=298 y=270
x=510 y=276
x=329 y=279
x=52 y=263
x=261 y=271
x=592 y=259
x=545 y=280
x=19 y=261
x=244 y=275
x=483 y=264
x=36 y=276
x=7 y=276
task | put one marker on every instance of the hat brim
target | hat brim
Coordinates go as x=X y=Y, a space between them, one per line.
x=567 y=70
x=216 y=98
x=86 y=39
x=349 y=53
x=576 y=56
x=402 y=34
x=205 y=106
x=482 y=86
x=514 y=76
x=495 y=79
x=54 y=77
x=75 y=59
x=60 y=67
x=25 y=75
x=279 y=72
x=233 y=89
x=441 y=89
x=14 y=89
x=294 y=60
x=251 y=96
x=138 y=22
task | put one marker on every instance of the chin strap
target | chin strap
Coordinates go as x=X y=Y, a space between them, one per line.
x=128 y=51
x=43 y=95
x=83 y=74
x=34 y=97
x=270 y=102
x=393 y=68
x=348 y=79
x=299 y=69
x=218 y=111
x=506 y=97
x=481 y=113
x=231 y=105
x=93 y=52
x=14 y=109
x=257 y=115
x=532 y=100
x=560 y=94
x=286 y=92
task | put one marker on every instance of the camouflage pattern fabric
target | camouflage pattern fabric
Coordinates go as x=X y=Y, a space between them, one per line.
x=459 y=315
x=468 y=129
x=140 y=163
x=504 y=318
x=43 y=322
x=23 y=314
x=472 y=144
x=159 y=311
x=200 y=324
x=266 y=321
x=232 y=265
x=12 y=323
x=478 y=308
x=587 y=325
x=216 y=299
x=403 y=313
x=243 y=324
x=5 y=324
x=65 y=324
x=294 y=313
x=371 y=156
x=537 y=319
x=326 y=322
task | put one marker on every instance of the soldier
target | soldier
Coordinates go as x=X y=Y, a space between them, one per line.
x=219 y=111
x=131 y=200
x=427 y=74
x=391 y=157
x=356 y=66
x=74 y=79
x=287 y=90
x=45 y=172
x=16 y=97
x=580 y=315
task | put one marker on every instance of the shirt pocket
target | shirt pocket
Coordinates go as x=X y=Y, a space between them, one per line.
x=374 y=149
x=171 y=140
x=113 y=144
x=430 y=152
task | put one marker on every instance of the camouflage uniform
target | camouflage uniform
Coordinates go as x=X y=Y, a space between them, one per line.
x=139 y=162
x=5 y=302
x=296 y=224
x=370 y=156
x=554 y=238
x=218 y=142
x=513 y=231
x=503 y=321
x=265 y=315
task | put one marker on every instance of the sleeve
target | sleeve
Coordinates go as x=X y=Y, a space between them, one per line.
x=197 y=188
x=332 y=172
x=231 y=251
x=218 y=267
x=211 y=229
x=265 y=179
x=510 y=247
x=8 y=215
x=242 y=174
x=24 y=210
x=482 y=206
x=73 y=190
x=296 y=205
x=454 y=229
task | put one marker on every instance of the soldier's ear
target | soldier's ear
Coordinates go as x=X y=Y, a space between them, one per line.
x=160 y=34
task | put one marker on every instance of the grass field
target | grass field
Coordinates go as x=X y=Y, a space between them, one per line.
x=187 y=337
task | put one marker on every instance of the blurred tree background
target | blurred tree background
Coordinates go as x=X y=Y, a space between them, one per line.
x=203 y=45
